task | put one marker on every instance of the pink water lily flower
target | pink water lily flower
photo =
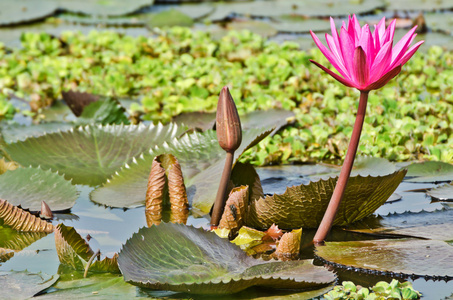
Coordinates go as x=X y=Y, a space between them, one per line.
x=366 y=60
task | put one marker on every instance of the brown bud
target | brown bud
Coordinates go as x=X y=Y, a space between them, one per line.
x=234 y=215
x=155 y=193
x=177 y=192
x=228 y=124
x=45 y=211
x=289 y=246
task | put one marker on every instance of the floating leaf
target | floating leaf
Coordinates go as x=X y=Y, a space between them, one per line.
x=12 y=241
x=105 y=7
x=22 y=220
x=23 y=11
x=27 y=187
x=245 y=174
x=417 y=5
x=170 y=17
x=90 y=154
x=429 y=171
x=24 y=284
x=444 y=192
x=74 y=251
x=182 y=258
x=248 y=238
x=261 y=28
x=304 y=205
x=407 y=256
x=201 y=160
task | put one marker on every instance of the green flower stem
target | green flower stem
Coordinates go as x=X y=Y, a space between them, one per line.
x=337 y=196
x=220 y=199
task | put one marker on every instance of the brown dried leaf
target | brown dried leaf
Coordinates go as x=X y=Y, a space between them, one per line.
x=22 y=220
x=289 y=246
x=234 y=215
x=177 y=193
x=155 y=193
x=273 y=233
x=78 y=100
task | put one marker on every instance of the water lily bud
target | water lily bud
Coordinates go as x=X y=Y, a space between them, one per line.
x=228 y=124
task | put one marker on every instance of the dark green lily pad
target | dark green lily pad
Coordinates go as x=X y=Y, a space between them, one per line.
x=23 y=11
x=442 y=193
x=103 y=112
x=429 y=171
x=27 y=187
x=305 y=205
x=183 y=258
x=201 y=160
x=407 y=256
x=90 y=154
x=24 y=284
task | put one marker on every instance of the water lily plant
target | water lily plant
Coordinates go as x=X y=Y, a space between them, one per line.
x=366 y=61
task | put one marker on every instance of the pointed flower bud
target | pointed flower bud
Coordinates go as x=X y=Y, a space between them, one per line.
x=228 y=124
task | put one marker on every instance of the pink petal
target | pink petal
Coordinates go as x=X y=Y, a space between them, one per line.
x=330 y=57
x=366 y=42
x=401 y=47
x=361 y=68
x=411 y=52
x=379 y=31
x=346 y=82
x=381 y=62
x=347 y=48
x=384 y=79
x=357 y=28
x=338 y=56
x=389 y=33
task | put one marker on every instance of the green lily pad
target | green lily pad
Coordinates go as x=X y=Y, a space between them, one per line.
x=444 y=192
x=308 y=203
x=12 y=241
x=263 y=29
x=183 y=258
x=300 y=24
x=170 y=17
x=201 y=160
x=440 y=22
x=407 y=256
x=24 y=284
x=27 y=187
x=90 y=154
x=429 y=171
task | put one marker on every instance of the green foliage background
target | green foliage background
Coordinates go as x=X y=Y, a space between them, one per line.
x=183 y=71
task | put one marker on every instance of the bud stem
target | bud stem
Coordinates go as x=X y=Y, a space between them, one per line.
x=337 y=196
x=220 y=199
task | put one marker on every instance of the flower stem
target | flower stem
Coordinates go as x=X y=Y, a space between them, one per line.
x=220 y=199
x=337 y=196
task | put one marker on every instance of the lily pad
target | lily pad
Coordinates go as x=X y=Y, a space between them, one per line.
x=16 y=132
x=201 y=160
x=440 y=22
x=90 y=154
x=429 y=171
x=23 y=11
x=301 y=7
x=170 y=17
x=104 y=7
x=103 y=112
x=407 y=256
x=263 y=29
x=24 y=284
x=308 y=203
x=183 y=258
x=27 y=187
x=417 y=5
x=12 y=241
x=442 y=193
